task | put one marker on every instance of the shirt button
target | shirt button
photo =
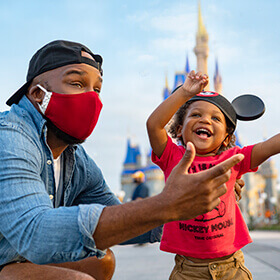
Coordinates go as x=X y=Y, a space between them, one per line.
x=213 y=266
x=49 y=162
x=51 y=196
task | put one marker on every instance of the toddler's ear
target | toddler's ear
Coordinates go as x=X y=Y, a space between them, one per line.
x=227 y=140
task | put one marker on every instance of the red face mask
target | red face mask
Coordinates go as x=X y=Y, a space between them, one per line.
x=74 y=114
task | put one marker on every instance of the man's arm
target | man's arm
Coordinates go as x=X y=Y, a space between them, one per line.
x=163 y=113
x=184 y=197
x=263 y=150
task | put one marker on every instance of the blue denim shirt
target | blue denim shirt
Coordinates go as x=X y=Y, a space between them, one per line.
x=30 y=227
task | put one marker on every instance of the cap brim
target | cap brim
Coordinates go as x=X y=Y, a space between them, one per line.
x=248 y=107
x=15 y=98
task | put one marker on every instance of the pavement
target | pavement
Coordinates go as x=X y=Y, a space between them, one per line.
x=147 y=262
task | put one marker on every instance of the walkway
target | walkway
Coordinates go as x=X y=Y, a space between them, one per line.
x=147 y=262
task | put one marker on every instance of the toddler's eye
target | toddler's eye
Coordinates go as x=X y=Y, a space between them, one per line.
x=195 y=115
x=216 y=118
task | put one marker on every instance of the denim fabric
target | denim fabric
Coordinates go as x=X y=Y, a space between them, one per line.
x=30 y=226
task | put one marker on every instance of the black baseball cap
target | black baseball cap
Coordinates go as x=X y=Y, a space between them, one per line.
x=246 y=107
x=54 y=55
x=221 y=102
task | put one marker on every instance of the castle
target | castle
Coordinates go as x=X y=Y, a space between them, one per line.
x=260 y=198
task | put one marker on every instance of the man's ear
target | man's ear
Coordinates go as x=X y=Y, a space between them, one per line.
x=35 y=94
x=179 y=131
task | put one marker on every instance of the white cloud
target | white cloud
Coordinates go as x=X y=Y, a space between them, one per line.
x=176 y=23
x=145 y=58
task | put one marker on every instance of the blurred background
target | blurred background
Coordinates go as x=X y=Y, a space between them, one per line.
x=145 y=46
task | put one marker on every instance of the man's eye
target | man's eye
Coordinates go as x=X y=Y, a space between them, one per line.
x=78 y=85
x=97 y=90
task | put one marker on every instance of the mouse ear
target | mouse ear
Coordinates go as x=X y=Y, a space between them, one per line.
x=248 y=107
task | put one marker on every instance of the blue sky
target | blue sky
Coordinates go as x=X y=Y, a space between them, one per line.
x=141 y=42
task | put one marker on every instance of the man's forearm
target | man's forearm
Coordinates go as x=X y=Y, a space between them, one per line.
x=120 y=223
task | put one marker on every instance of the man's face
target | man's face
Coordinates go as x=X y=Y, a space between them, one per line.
x=70 y=79
x=74 y=78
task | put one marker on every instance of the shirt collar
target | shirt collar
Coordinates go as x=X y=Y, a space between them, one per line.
x=37 y=118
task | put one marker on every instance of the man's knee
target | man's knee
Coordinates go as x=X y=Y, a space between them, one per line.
x=108 y=264
x=109 y=259
x=100 y=269
x=29 y=271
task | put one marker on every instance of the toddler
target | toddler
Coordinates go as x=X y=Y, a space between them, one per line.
x=207 y=247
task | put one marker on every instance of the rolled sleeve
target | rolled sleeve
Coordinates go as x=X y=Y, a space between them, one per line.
x=88 y=218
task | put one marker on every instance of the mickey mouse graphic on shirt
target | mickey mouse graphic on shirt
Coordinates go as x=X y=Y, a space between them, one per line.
x=217 y=212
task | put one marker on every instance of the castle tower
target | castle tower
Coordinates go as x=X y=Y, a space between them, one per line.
x=166 y=90
x=132 y=163
x=154 y=176
x=201 y=49
x=269 y=172
x=187 y=68
x=217 y=80
x=180 y=77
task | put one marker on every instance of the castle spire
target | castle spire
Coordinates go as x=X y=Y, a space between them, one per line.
x=166 y=81
x=166 y=90
x=201 y=27
x=187 y=69
x=217 y=79
x=201 y=49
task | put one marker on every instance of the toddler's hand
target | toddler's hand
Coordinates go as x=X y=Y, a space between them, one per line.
x=195 y=83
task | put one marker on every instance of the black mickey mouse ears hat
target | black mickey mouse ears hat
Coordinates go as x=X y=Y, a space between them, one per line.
x=54 y=55
x=218 y=100
x=246 y=107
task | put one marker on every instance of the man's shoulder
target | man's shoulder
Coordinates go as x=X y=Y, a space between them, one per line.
x=12 y=121
x=16 y=120
x=18 y=129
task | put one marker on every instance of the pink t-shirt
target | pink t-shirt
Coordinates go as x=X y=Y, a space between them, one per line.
x=215 y=234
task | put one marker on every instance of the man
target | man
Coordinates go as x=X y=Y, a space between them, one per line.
x=141 y=189
x=56 y=210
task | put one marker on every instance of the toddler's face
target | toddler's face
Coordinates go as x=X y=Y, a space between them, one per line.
x=205 y=126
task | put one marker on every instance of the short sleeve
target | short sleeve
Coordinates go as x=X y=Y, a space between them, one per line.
x=245 y=164
x=171 y=156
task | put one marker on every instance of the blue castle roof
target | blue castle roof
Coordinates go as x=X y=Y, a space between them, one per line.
x=187 y=69
x=217 y=74
x=179 y=79
x=166 y=93
x=131 y=153
x=237 y=140
x=143 y=169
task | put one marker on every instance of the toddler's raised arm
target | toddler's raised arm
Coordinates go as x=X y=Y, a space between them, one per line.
x=194 y=83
